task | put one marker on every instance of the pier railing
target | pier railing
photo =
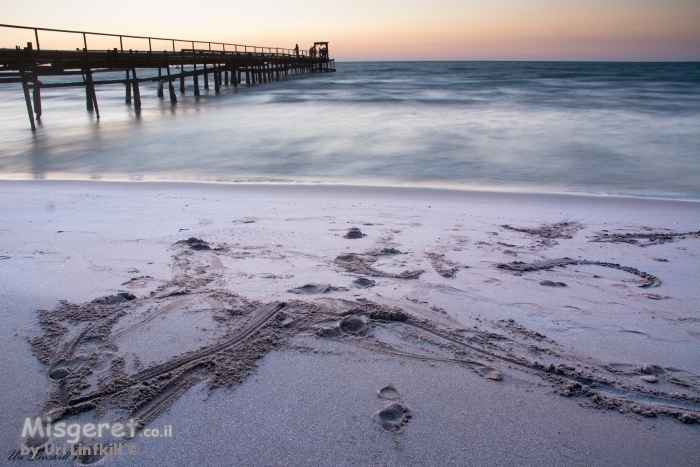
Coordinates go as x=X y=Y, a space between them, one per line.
x=28 y=65
x=173 y=42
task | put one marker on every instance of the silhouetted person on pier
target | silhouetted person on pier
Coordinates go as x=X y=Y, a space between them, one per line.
x=296 y=50
x=324 y=52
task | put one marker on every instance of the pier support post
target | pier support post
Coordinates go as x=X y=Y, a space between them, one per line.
x=235 y=77
x=195 y=81
x=171 y=88
x=206 y=77
x=37 y=98
x=137 y=94
x=217 y=80
x=160 y=84
x=226 y=77
x=182 y=72
x=90 y=94
x=247 y=77
x=127 y=99
x=28 y=100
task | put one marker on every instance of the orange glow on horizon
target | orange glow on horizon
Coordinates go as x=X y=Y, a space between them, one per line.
x=391 y=29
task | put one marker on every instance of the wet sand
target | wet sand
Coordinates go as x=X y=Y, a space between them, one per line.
x=313 y=325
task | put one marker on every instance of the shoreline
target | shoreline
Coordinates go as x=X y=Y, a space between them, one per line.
x=509 y=329
x=337 y=185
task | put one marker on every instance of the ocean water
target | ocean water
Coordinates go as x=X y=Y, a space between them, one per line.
x=605 y=128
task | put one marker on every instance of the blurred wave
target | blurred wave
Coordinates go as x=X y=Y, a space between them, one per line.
x=616 y=128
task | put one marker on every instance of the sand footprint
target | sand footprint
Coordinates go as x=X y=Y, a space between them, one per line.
x=393 y=418
x=388 y=392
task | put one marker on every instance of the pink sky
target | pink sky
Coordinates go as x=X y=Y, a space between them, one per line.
x=391 y=29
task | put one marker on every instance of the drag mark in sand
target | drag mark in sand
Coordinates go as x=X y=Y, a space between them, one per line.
x=313 y=289
x=547 y=233
x=442 y=265
x=652 y=238
x=362 y=264
x=519 y=266
x=93 y=367
x=605 y=388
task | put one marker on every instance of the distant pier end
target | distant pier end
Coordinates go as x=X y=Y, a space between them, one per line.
x=218 y=62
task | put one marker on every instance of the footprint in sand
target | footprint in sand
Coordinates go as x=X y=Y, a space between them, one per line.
x=653 y=296
x=138 y=282
x=547 y=283
x=490 y=373
x=310 y=289
x=195 y=243
x=350 y=325
x=354 y=325
x=354 y=232
x=114 y=299
x=388 y=392
x=393 y=418
x=363 y=283
x=313 y=289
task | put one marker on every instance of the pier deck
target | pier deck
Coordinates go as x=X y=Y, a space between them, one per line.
x=243 y=63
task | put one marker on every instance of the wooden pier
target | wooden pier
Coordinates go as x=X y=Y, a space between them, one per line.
x=220 y=63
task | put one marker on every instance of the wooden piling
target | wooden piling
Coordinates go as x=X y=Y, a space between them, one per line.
x=37 y=98
x=182 y=72
x=36 y=83
x=93 y=95
x=171 y=89
x=159 y=89
x=217 y=79
x=127 y=99
x=28 y=100
x=88 y=96
x=137 y=94
x=195 y=81
x=206 y=76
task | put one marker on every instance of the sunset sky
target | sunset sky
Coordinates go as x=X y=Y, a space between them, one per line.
x=388 y=29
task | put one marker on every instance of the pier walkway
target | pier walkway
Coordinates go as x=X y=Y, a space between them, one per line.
x=219 y=62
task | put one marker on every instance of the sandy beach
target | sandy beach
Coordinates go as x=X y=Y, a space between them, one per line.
x=343 y=325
